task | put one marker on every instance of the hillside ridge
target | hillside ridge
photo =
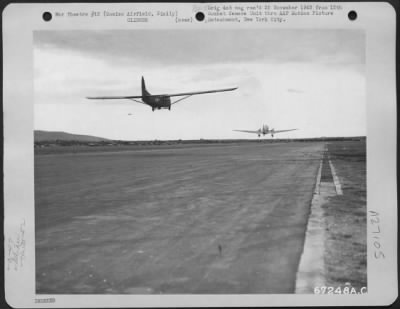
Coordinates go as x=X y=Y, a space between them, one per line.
x=41 y=136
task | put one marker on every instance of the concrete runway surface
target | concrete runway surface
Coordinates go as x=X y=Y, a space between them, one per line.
x=221 y=219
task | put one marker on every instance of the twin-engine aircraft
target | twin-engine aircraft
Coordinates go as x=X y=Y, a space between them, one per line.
x=159 y=101
x=265 y=130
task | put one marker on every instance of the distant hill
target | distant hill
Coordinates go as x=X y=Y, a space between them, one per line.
x=47 y=136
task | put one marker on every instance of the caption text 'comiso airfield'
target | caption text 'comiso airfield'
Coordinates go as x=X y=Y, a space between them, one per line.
x=198 y=219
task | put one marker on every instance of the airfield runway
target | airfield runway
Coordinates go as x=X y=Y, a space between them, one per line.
x=200 y=219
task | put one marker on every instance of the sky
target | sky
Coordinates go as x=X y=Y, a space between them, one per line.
x=313 y=80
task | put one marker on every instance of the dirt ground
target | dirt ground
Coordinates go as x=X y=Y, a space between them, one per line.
x=217 y=219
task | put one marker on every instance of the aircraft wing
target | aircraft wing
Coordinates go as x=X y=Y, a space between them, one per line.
x=279 y=131
x=199 y=92
x=247 y=131
x=115 y=98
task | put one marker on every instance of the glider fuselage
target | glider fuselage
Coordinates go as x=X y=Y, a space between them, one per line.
x=156 y=102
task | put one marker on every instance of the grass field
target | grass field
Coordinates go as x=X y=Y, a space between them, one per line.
x=346 y=216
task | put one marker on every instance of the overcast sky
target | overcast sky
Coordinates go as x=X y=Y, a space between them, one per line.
x=313 y=80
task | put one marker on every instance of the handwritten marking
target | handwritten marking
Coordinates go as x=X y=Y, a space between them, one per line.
x=376 y=234
x=16 y=249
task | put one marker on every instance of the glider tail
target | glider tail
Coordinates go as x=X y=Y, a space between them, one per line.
x=144 y=90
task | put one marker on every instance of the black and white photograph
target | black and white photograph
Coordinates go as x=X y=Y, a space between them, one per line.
x=203 y=154
x=189 y=161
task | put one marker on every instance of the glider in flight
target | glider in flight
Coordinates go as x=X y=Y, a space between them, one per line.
x=265 y=130
x=159 y=101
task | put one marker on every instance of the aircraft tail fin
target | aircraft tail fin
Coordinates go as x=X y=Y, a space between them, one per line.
x=144 y=90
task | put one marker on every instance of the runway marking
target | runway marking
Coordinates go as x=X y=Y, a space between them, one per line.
x=329 y=173
x=317 y=184
x=336 y=181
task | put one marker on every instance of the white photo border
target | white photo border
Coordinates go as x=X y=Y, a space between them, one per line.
x=377 y=19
